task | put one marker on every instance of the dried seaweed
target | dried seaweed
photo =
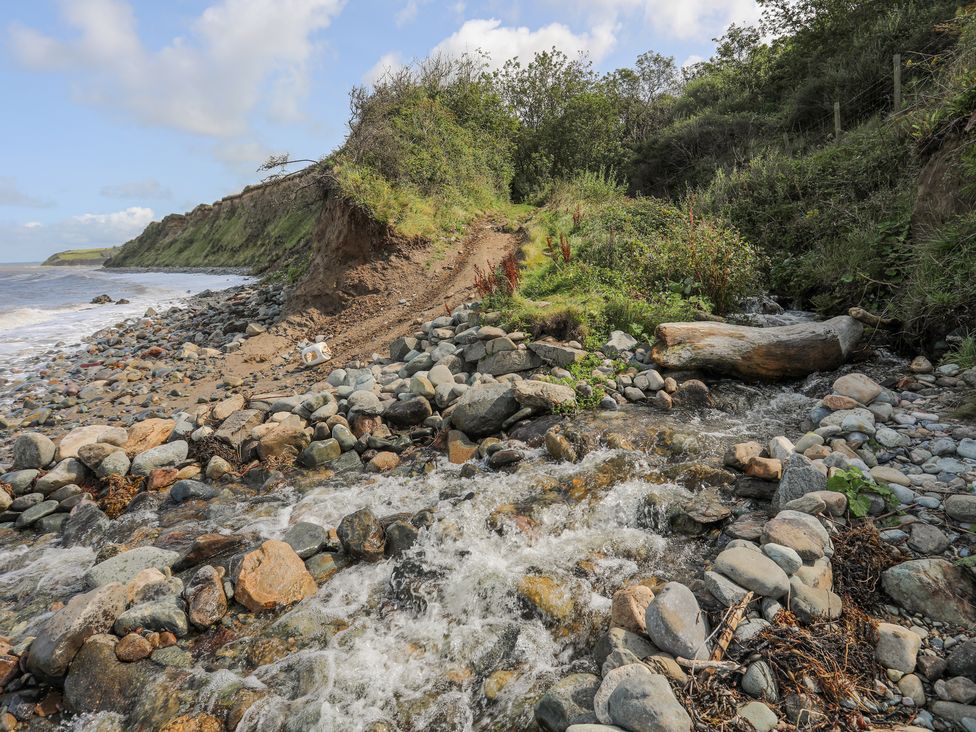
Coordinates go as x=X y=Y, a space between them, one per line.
x=860 y=557
x=201 y=451
x=119 y=494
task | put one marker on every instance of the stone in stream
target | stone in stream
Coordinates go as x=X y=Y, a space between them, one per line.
x=205 y=599
x=125 y=566
x=169 y=455
x=272 y=576
x=934 y=588
x=459 y=448
x=85 y=526
x=156 y=615
x=306 y=538
x=484 y=409
x=62 y=635
x=35 y=513
x=362 y=535
x=676 y=624
x=628 y=607
x=132 y=647
x=567 y=702
x=98 y=681
x=400 y=536
x=32 y=450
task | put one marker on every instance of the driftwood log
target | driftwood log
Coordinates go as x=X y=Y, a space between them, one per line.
x=784 y=352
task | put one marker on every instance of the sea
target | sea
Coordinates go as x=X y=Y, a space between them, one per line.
x=43 y=307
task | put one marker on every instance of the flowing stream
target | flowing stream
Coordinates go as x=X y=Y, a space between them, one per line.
x=450 y=635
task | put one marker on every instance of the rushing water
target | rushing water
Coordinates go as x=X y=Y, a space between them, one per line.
x=421 y=642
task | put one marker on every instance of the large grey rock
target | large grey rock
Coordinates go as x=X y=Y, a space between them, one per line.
x=19 y=480
x=35 y=513
x=62 y=634
x=569 y=701
x=205 y=598
x=543 y=395
x=642 y=701
x=897 y=647
x=116 y=463
x=812 y=604
x=408 y=413
x=753 y=571
x=365 y=403
x=123 y=567
x=935 y=588
x=306 y=538
x=509 y=362
x=189 y=490
x=675 y=622
x=858 y=387
x=799 y=531
x=962 y=508
x=70 y=470
x=759 y=682
x=169 y=455
x=33 y=450
x=962 y=659
x=97 y=681
x=622 y=639
x=483 y=409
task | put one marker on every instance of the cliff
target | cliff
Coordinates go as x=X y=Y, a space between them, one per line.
x=265 y=227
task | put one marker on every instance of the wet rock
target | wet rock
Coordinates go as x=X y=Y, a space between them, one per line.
x=676 y=624
x=191 y=490
x=694 y=394
x=400 y=536
x=158 y=615
x=483 y=409
x=739 y=455
x=272 y=576
x=125 y=566
x=35 y=513
x=459 y=448
x=98 y=681
x=169 y=455
x=383 y=462
x=547 y=597
x=62 y=635
x=85 y=526
x=569 y=701
x=935 y=588
x=897 y=647
x=205 y=599
x=206 y=547
x=362 y=535
x=32 y=450
x=559 y=447
x=132 y=647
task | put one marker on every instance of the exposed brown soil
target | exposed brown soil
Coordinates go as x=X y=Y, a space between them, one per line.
x=366 y=302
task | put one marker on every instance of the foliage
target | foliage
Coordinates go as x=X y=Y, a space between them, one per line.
x=855 y=486
x=963 y=354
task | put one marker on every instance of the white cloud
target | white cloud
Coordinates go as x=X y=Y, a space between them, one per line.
x=148 y=188
x=11 y=195
x=208 y=82
x=501 y=42
x=691 y=61
x=686 y=19
x=408 y=13
x=25 y=240
x=389 y=63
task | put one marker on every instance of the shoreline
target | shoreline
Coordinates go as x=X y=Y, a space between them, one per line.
x=185 y=426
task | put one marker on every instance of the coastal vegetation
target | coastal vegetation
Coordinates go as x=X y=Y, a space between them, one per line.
x=780 y=165
x=80 y=257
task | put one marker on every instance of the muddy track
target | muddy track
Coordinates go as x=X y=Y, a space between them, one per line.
x=407 y=289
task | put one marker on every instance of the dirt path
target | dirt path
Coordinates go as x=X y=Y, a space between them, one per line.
x=417 y=286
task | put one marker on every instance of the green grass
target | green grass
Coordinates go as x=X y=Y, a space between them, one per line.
x=632 y=264
x=77 y=256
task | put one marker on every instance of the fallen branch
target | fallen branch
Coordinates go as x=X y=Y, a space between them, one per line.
x=731 y=621
x=710 y=666
x=875 y=321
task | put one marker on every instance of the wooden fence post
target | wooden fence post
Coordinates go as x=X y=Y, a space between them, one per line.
x=837 y=129
x=896 y=62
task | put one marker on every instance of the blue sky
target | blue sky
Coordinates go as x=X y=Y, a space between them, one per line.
x=119 y=112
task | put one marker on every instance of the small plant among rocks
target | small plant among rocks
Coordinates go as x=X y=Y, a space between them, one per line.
x=853 y=484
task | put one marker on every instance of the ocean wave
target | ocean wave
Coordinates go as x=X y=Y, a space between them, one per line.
x=20 y=317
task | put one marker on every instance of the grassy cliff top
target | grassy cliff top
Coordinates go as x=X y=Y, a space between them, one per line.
x=80 y=257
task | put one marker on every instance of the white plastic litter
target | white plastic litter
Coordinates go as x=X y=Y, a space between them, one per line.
x=315 y=354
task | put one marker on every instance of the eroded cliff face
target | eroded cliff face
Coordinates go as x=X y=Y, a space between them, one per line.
x=266 y=226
